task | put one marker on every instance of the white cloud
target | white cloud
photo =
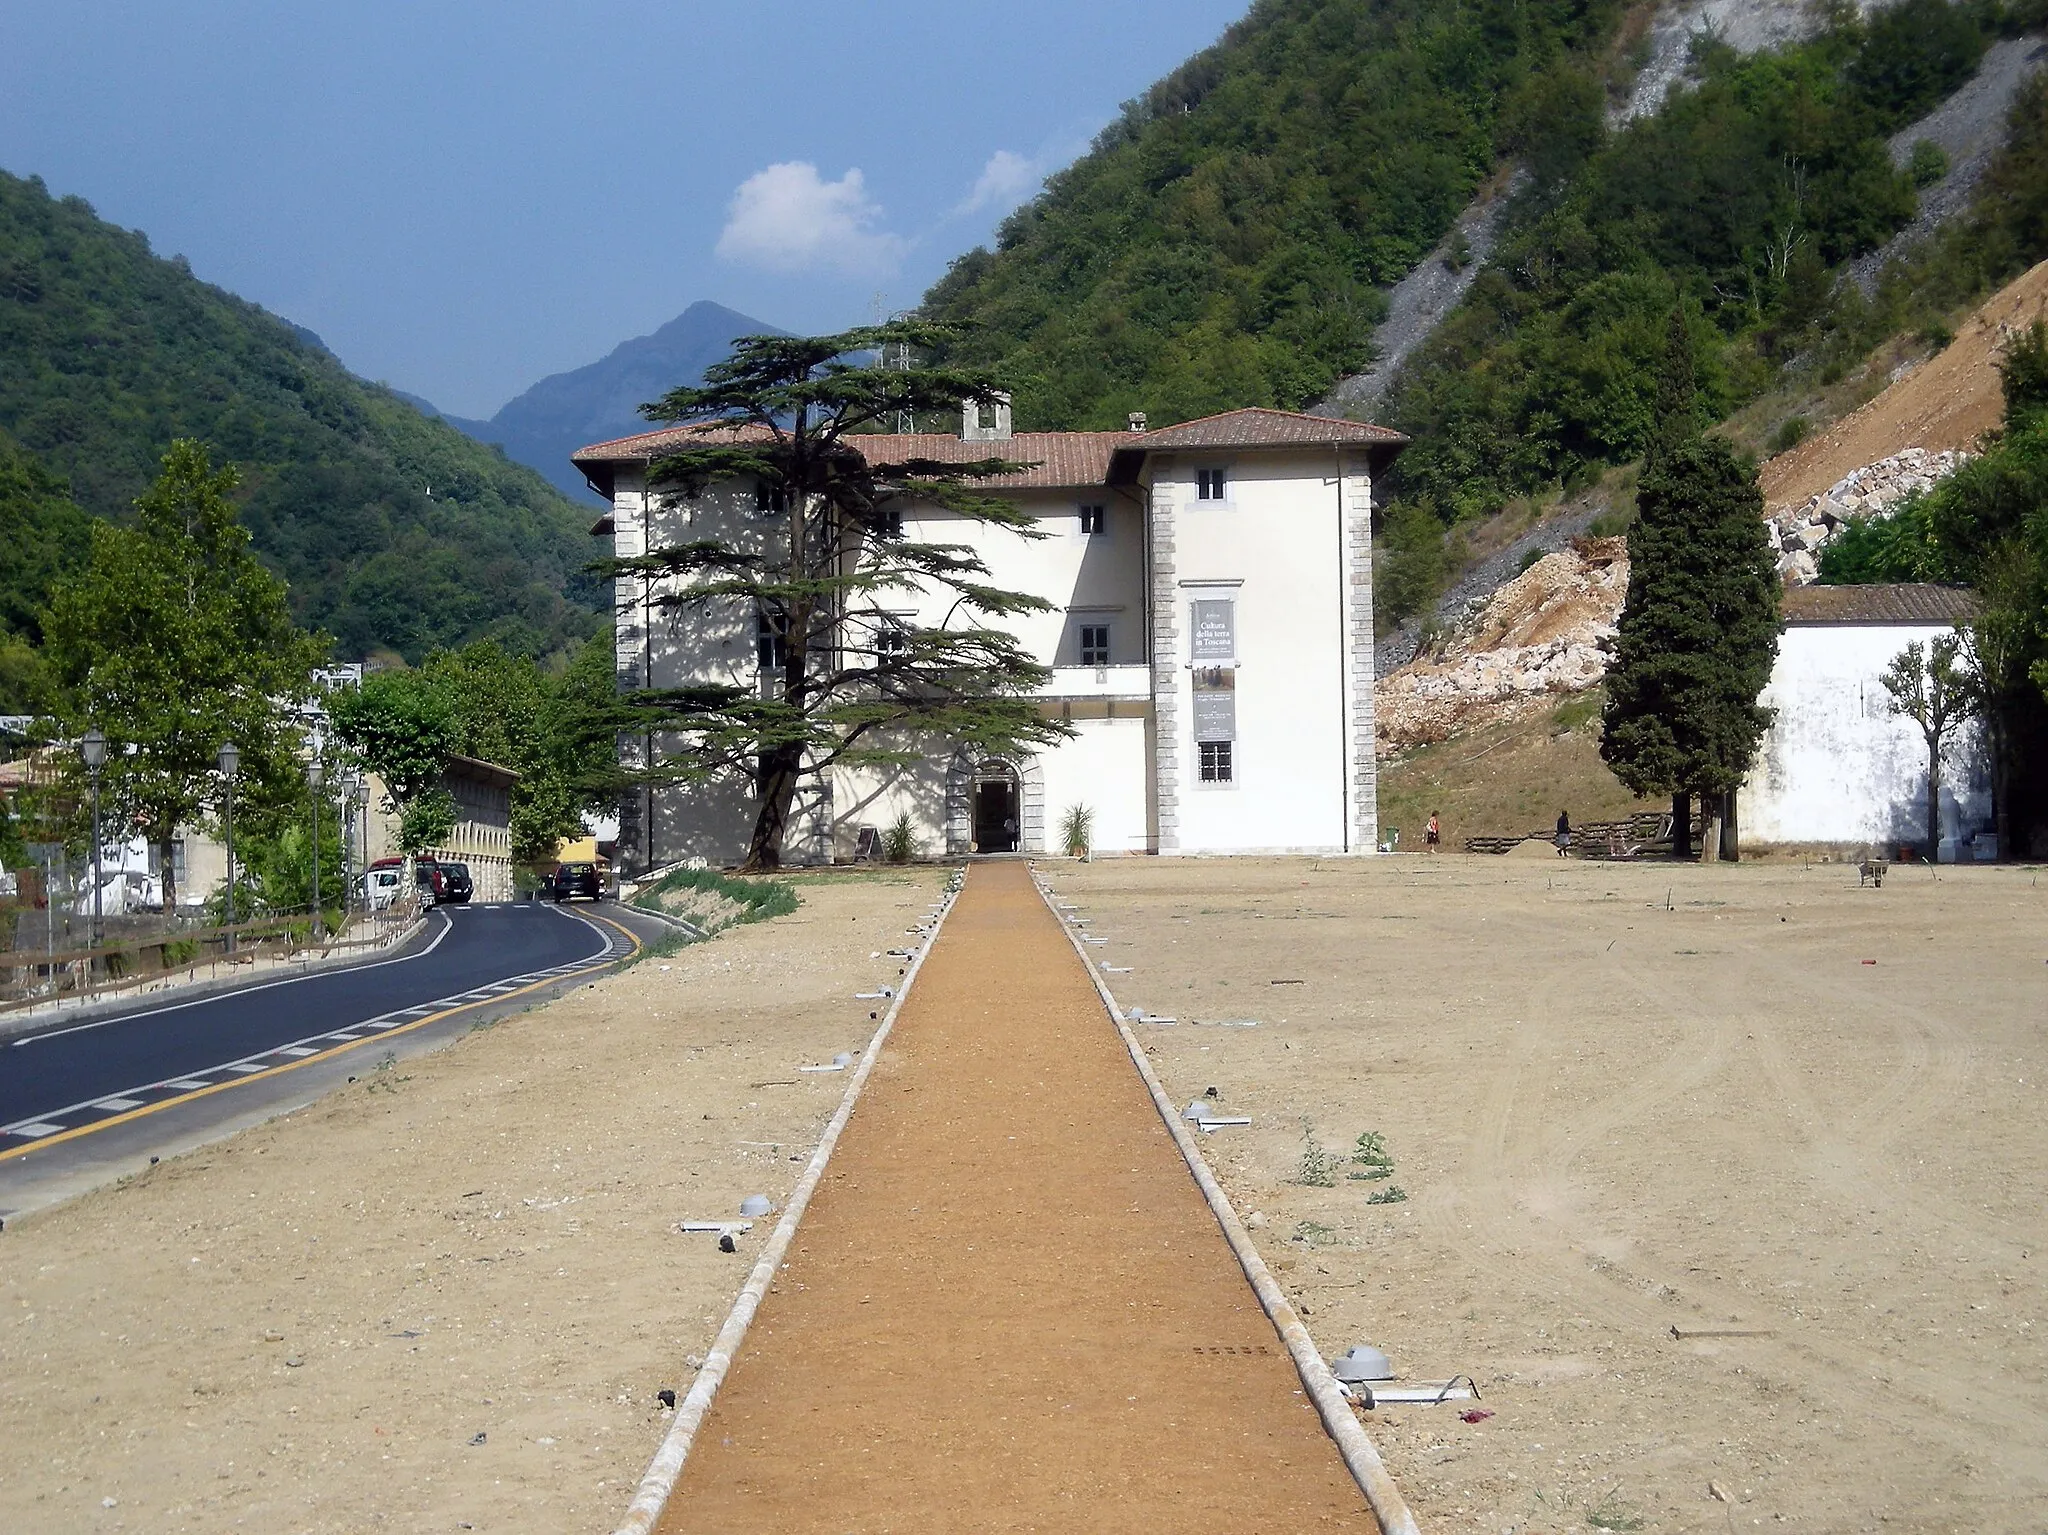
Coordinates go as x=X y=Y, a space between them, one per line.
x=790 y=219
x=1007 y=180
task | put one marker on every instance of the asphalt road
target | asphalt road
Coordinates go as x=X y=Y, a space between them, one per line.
x=80 y=1101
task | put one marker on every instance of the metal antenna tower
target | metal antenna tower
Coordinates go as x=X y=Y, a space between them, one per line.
x=906 y=421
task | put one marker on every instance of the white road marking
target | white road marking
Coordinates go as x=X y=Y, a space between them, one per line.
x=37 y=1128
x=290 y=980
x=116 y=1105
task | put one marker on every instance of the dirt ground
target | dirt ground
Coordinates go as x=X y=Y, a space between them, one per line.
x=1508 y=778
x=1611 y=1116
x=1949 y=401
x=1008 y=1307
x=443 y=1298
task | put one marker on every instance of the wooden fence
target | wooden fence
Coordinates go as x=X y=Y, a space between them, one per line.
x=179 y=955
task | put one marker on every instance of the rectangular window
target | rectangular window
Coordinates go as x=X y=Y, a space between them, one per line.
x=1214 y=628
x=1094 y=520
x=1095 y=644
x=890 y=638
x=889 y=522
x=1215 y=761
x=769 y=499
x=771 y=639
x=1209 y=485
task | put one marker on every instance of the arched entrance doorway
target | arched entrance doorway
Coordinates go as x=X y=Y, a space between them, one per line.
x=998 y=807
x=965 y=818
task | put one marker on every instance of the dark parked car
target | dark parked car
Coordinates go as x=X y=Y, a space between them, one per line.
x=575 y=879
x=456 y=888
x=432 y=878
x=426 y=876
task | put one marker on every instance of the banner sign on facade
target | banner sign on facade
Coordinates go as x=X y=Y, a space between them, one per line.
x=1215 y=629
x=1215 y=707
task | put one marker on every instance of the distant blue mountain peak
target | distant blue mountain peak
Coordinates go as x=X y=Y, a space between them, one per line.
x=601 y=400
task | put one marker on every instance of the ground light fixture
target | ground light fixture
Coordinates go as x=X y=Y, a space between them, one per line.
x=92 y=750
x=230 y=760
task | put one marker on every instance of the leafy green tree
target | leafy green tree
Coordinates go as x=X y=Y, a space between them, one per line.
x=557 y=730
x=1928 y=685
x=1699 y=626
x=403 y=727
x=848 y=684
x=173 y=639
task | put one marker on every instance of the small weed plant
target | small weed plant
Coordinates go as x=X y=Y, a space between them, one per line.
x=1610 y=1513
x=1314 y=1234
x=1318 y=1166
x=1392 y=1194
x=1370 y=1156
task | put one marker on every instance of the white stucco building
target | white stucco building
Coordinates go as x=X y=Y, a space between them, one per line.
x=1210 y=636
x=1837 y=766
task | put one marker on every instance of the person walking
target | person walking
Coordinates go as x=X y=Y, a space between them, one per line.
x=1433 y=833
x=1564 y=835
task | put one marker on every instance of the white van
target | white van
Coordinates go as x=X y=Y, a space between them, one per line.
x=382 y=886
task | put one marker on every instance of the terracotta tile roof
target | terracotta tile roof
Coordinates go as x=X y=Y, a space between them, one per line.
x=641 y=446
x=1255 y=427
x=1914 y=603
x=1061 y=460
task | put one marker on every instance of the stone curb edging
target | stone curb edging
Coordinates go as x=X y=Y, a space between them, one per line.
x=667 y=1466
x=1361 y=1458
x=696 y=933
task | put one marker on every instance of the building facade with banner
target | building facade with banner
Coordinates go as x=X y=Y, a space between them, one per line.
x=1210 y=636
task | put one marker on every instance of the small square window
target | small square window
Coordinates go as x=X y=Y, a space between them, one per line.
x=769 y=499
x=1210 y=485
x=1094 y=520
x=1216 y=761
x=891 y=639
x=889 y=522
x=1095 y=644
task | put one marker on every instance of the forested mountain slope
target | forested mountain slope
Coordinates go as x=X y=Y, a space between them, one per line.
x=1226 y=241
x=1744 y=199
x=394 y=531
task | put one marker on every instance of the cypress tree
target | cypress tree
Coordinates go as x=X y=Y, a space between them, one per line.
x=1699 y=628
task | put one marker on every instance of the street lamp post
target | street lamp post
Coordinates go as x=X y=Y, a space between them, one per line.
x=345 y=799
x=315 y=772
x=93 y=749
x=230 y=759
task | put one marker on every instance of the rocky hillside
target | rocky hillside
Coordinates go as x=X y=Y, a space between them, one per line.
x=1545 y=633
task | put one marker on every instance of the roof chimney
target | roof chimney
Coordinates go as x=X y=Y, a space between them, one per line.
x=992 y=425
x=1137 y=421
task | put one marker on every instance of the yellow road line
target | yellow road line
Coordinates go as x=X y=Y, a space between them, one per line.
x=325 y=1055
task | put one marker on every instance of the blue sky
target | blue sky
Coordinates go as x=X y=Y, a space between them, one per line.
x=462 y=198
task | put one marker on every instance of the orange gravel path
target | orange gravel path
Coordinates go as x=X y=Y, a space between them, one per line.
x=1008 y=1307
